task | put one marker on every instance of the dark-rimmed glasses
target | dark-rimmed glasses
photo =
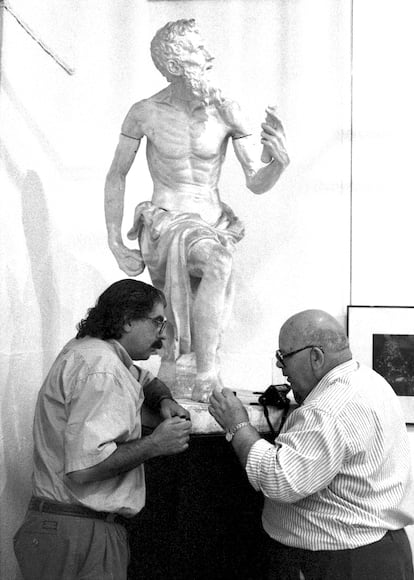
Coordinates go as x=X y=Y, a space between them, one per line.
x=282 y=356
x=159 y=321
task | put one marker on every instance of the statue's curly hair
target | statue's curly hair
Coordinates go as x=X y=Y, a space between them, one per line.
x=167 y=43
x=122 y=302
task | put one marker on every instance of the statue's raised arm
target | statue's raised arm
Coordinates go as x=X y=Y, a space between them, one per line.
x=259 y=178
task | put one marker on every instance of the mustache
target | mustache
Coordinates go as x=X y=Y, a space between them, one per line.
x=158 y=344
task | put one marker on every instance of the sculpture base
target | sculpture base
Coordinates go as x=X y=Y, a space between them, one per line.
x=179 y=375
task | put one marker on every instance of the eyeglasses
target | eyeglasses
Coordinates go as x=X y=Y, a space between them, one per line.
x=159 y=321
x=281 y=356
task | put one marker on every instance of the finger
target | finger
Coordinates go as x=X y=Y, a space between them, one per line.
x=269 y=130
x=184 y=413
x=275 y=141
x=216 y=396
x=176 y=420
x=278 y=129
x=213 y=412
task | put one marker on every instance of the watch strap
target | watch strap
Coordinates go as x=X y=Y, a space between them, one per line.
x=233 y=430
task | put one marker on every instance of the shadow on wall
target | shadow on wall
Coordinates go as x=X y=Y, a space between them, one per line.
x=35 y=322
x=23 y=367
x=36 y=228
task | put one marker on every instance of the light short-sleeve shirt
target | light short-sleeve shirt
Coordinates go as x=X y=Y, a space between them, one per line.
x=89 y=403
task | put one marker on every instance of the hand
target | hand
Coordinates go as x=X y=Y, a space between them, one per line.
x=227 y=409
x=171 y=436
x=130 y=261
x=170 y=408
x=273 y=139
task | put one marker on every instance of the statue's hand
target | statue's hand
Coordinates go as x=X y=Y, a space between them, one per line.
x=205 y=385
x=273 y=139
x=130 y=261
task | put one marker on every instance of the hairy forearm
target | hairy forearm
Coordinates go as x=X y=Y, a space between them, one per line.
x=242 y=442
x=127 y=456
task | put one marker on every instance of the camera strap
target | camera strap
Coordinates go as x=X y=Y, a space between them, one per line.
x=274 y=433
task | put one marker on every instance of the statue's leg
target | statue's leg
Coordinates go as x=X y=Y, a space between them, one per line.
x=212 y=262
x=228 y=306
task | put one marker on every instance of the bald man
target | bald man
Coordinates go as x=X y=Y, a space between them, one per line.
x=337 y=481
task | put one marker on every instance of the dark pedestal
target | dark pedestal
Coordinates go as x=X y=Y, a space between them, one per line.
x=202 y=519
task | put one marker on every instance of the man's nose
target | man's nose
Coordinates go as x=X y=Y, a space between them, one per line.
x=162 y=332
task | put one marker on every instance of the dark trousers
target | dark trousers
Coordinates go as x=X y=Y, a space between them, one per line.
x=388 y=559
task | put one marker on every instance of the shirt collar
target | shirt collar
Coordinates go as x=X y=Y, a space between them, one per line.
x=341 y=370
x=121 y=352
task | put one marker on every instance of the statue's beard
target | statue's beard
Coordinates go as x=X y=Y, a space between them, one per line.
x=202 y=88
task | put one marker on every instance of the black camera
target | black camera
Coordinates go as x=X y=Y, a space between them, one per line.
x=275 y=396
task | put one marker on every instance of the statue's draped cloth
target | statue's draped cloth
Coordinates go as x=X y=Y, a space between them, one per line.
x=165 y=240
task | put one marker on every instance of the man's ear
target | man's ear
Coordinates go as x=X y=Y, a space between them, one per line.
x=317 y=358
x=174 y=67
x=127 y=326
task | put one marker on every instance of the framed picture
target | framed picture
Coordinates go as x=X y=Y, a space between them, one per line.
x=382 y=337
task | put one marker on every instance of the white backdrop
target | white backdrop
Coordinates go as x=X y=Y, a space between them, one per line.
x=58 y=134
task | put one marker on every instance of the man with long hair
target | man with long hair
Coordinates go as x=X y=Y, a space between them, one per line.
x=186 y=233
x=89 y=450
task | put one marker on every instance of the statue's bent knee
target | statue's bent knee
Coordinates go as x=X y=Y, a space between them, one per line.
x=221 y=262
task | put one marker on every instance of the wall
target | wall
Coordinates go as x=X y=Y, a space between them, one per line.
x=382 y=176
x=58 y=134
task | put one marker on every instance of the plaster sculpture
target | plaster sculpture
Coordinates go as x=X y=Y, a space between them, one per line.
x=186 y=234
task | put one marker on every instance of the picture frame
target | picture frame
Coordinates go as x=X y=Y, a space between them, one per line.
x=382 y=337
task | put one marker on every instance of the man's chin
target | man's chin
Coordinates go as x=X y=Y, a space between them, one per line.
x=145 y=355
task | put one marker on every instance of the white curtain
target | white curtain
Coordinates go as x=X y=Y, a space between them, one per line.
x=58 y=132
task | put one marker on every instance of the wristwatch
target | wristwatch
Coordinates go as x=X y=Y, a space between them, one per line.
x=230 y=432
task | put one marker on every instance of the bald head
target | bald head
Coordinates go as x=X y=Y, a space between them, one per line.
x=318 y=328
x=311 y=344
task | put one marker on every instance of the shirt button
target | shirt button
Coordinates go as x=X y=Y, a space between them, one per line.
x=35 y=542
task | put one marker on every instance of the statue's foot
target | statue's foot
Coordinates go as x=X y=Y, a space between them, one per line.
x=204 y=386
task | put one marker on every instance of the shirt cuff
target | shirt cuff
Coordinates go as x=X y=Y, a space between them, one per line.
x=90 y=460
x=254 y=461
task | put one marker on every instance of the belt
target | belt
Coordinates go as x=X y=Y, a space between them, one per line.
x=67 y=509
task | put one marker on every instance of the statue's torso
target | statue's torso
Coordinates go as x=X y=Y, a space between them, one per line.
x=185 y=153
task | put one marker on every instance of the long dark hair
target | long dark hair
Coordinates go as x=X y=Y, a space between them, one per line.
x=122 y=302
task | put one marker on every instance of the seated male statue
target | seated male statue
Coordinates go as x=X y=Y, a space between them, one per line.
x=186 y=234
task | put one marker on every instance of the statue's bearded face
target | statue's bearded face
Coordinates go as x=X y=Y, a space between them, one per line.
x=196 y=63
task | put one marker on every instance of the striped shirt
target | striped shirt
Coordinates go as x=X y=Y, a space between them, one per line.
x=338 y=475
